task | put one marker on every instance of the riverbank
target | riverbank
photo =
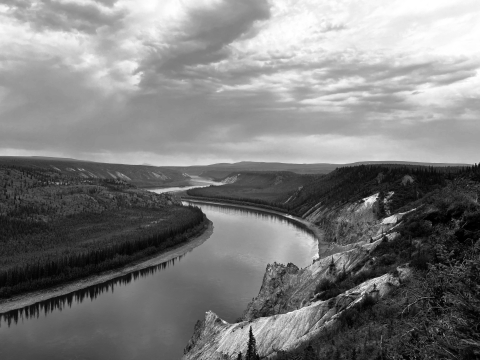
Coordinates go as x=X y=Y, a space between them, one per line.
x=23 y=300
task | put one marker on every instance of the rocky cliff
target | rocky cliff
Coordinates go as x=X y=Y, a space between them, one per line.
x=217 y=339
x=286 y=313
x=287 y=288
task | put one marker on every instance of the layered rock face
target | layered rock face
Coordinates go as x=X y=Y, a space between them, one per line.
x=286 y=314
x=217 y=339
x=351 y=223
x=287 y=288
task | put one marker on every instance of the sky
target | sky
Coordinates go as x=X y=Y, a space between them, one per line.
x=183 y=82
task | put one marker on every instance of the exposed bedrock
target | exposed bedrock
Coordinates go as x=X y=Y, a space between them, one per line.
x=350 y=223
x=286 y=287
x=285 y=314
x=217 y=339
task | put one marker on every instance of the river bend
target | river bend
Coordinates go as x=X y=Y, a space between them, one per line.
x=150 y=314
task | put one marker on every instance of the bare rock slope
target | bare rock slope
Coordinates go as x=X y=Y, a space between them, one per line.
x=286 y=313
x=217 y=339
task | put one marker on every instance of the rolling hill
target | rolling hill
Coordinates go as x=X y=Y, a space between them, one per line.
x=139 y=175
x=222 y=170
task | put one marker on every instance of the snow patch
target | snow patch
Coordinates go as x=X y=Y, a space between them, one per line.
x=55 y=168
x=113 y=176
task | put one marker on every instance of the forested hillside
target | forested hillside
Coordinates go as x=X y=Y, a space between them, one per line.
x=435 y=313
x=269 y=189
x=56 y=227
x=397 y=185
x=138 y=175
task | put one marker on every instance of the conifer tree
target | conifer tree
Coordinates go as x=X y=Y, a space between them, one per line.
x=309 y=353
x=252 y=347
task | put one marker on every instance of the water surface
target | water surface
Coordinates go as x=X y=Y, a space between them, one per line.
x=194 y=182
x=151 y=314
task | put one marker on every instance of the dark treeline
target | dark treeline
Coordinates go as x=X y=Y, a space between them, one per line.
x=13 y=227
x=91 y=292
x=239 y=200
x=349 y=184
x=353 y=183
x=44 y=272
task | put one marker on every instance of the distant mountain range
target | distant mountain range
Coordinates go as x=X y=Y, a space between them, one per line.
x=149 y=176
x=222 y=170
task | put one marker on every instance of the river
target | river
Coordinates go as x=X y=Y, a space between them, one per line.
x=151 y=314
x=194 y=182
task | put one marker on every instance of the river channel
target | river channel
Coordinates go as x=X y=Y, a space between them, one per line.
x=150 y=314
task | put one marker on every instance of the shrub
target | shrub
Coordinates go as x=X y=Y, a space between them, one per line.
x=387 y=259
x=323 y=285
x=348 y=317
x=367 y=302
x=420 y=261
x=472 y=221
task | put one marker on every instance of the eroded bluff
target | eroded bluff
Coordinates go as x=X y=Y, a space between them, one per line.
x=286 y=314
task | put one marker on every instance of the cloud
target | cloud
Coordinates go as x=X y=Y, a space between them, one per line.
x=202 y=36
x=108 y=3
x=68 y=16
x=283 y=80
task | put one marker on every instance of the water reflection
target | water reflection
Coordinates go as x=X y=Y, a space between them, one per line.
x=79 y=296
x=154 y=316
x=233 y=210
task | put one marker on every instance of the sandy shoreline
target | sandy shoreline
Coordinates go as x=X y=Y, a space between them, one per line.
x=23 y=300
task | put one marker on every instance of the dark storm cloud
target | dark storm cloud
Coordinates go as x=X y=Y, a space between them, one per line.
x=58 y=15
x=203 y=37
x=108 y=3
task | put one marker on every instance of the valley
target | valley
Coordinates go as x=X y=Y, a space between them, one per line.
x=395 y=257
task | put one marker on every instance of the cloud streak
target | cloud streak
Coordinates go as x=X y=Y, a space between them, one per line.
x=56 y=15
x=196 y=81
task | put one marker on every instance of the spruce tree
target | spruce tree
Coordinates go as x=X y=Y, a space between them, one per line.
x=309 y=353
x=252 y=346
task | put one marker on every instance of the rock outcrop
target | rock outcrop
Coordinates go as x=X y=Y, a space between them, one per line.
x=351 y=223
x=217 y=339
x=287 y=288
x=286 y=314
